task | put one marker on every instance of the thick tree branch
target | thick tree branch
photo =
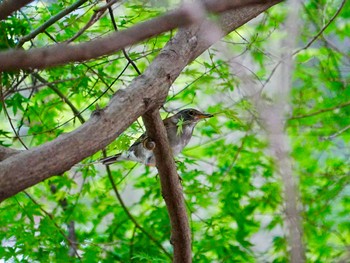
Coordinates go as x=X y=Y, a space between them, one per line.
x=171 y=187
x=64 y=53
x=145 y=92
x=7 y=7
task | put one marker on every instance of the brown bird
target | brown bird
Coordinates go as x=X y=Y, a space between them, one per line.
x=179 y=129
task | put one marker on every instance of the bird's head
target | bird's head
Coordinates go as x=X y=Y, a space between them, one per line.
x=192 y=115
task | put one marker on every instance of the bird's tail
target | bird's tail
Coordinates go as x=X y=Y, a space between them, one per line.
x=110 y=159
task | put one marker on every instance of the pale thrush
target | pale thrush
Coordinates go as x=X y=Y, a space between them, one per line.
x=179 y=129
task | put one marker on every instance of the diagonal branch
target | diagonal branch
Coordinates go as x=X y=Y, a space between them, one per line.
x=130 y=216
x=75 y=111
x=145 y=92
x=171 y=187
x=323 y=29
x=94 y=18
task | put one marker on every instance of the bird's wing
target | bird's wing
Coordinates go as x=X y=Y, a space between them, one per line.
x=110 y=159
x=136 y=144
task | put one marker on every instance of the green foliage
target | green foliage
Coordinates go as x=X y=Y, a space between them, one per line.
x=232 y=191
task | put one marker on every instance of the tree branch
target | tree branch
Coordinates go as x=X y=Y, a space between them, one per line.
x=64 y=53
x=7 y=7
x=323 y=28
x=342 y=105
x=145 y=92
x=171 y=187
x=75 y=111
x=94 y=18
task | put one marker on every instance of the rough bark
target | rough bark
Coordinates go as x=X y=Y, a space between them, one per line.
x=145 y=92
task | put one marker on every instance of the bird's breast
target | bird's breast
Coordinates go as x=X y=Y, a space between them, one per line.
x=181 y=139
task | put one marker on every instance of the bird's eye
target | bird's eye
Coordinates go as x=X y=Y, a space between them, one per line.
x=191 y=112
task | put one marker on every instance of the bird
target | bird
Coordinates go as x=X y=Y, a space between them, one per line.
x=179 y=128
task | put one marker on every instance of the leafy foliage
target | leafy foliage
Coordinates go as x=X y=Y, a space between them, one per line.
x=232 y=192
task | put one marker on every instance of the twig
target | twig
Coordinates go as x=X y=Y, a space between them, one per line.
x=50 y=22
x=337 y=133
x=323 y=28
x=76 y=112
x=123 y=49
x=94 y=18
x=71 y=225
x=50 y=216
x=127 y=212
x=171 y=187
x=10 y=120
x=36 y=87
x=86 y=108
x=342 y=105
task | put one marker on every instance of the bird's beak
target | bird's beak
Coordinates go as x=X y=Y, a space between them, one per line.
x=204 y=116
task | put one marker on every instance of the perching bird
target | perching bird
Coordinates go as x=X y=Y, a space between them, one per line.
x=179 y=129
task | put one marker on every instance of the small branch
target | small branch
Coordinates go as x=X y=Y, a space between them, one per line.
x=331 y=137
x=127 y=212
x=50 y=216
x=50 y=22
x=94 y=18
x=10 y=120
x=76 y=112
x=342 y=105
x=323 y=29
x=7 y=7
x=37 y=86
x=73 y=244
x=124 y=51
x=171 y=187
